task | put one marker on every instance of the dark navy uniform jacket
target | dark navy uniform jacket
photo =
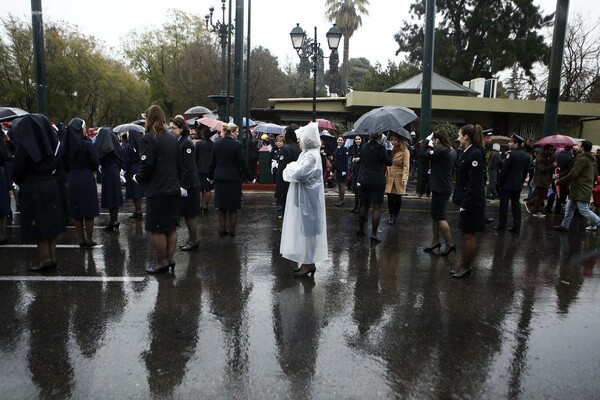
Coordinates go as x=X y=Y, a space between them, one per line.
x=189 y=171
x=203 y=151
x=469 y=191
x=442 y=165
x=231 y=165
x=373 y=157
x=514 y=170
x=160 y=165
x=289 y=153
x=340 y=159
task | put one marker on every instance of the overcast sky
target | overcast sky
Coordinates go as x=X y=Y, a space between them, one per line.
x=272 y=20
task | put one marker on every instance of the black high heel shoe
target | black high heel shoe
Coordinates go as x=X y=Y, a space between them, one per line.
x=158 y=270
x=432 y=248
x=460 y=276
x=223 y=232
x=172 y=264
x=309 y=273
x=112 y=227
x=190 y=246
x=448 y=250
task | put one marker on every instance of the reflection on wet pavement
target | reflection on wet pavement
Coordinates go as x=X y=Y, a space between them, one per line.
x=376 y=322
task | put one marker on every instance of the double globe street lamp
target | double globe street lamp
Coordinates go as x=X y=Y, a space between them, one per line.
x=312 y=51
x=223 y=29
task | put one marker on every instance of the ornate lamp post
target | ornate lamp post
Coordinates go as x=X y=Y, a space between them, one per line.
x=223 y=30
x=333 y=40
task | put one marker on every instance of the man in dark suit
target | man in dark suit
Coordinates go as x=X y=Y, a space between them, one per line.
x=512 y=176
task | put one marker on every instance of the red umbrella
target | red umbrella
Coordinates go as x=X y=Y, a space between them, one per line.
x=557 y=141
x=325 y=124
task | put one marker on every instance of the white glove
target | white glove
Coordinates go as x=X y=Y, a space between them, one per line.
x=430 y=143
x=254 y=180
x=343 y=174
x=183 y=192
x=462 y=209
x=135 y=179
x=210 y=180
x=100 y=168
x=15 y=186
x=122 y=173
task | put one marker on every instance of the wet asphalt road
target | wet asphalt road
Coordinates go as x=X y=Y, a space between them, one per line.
x=232 y=322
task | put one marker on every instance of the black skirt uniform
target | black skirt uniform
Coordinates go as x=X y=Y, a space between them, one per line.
x=131 y=166
x=469 y=192
x=112 y=197
x=190 y=205
x=160 y=171
x=83 y=192
x=203 y=151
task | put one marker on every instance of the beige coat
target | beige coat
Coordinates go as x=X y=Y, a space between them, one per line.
x=398 y=172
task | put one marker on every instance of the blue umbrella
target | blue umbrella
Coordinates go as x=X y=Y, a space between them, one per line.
x=252 y=123
x=269 y=128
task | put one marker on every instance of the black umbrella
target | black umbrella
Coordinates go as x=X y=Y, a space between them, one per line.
x=10 y=113
x=387 y=118
x=352 y=134
x=126 y=127
x=196 y=111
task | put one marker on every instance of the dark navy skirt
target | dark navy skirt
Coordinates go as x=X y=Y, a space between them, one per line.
x=133 y=190
x=83 y=194
x=228 y=195
x=205 y=185
x=190 y=205
x=41 y=209
x=162 y=213
x=111 y=187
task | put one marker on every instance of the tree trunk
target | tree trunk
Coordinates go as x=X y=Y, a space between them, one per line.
x=346 y=71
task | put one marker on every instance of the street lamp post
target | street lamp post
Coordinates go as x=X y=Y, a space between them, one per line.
x=333 y=41
x=223 y=30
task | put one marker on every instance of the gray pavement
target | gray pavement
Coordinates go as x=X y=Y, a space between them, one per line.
x=377 y=322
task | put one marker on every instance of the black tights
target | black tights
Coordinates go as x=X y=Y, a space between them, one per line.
x=375 y=217
x=394 y=204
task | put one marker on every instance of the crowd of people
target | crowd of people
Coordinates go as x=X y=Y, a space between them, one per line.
x=55 y=170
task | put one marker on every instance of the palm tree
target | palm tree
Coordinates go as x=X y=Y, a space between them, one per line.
x=346 y=14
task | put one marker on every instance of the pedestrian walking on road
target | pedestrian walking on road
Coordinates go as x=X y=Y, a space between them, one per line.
x=82 y=161
x=289 y=153
x=397 y=176
x=203 y=152
x=513 y=173
x=304 y=231
x=189 y=204
x=228 y=169
x=42 y=217
x=109 y=154
x=354 y=153
x=131 y=166
x=442 y=157
x=160 y=171
x=469 y=195
x=339 y=164
x=542 y=178
x=581 y=179
x=372 y=182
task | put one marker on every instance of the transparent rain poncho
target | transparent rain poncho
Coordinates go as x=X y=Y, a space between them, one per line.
x=304 y=231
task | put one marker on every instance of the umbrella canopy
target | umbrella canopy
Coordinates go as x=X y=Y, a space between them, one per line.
x=387 y=118
x=404 y=134
x=211 y=123
x=248 y=125
x=196 y=111
x=499 y=139
x=269 y=128
x=325 y=124
x=10 y=113
x=557 y=141
x=126 y=127
x=140 y=122
x=352 y=134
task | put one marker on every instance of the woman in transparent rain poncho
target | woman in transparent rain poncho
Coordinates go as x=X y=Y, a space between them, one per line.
x=304 y=231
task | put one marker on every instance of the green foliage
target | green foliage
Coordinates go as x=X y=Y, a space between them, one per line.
x=378 y=79
x=451 y=129
x=477 y=38
x=266 y=78
x=81 y=80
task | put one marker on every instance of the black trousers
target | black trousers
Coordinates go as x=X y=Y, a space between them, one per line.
x=514 y=196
